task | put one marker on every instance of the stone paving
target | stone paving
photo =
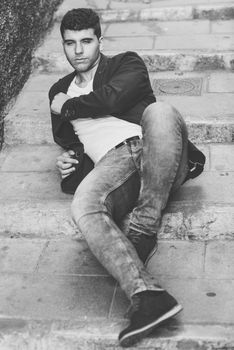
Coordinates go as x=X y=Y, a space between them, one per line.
x=54 y=294
x=183 y=45
x=49 y=280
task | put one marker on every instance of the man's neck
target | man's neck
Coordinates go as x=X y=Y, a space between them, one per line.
x=83 y=78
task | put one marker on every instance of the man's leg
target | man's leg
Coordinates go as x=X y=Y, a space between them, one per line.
x=163 y=169
x=103 y=194
x=110 y=190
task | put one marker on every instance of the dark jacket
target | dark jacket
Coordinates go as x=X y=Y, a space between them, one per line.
x=121 y=88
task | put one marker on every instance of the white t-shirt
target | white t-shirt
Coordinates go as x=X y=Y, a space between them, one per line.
x=99 y=135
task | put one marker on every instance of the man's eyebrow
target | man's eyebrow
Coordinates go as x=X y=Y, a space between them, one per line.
x=87 y=38
x=65 y=40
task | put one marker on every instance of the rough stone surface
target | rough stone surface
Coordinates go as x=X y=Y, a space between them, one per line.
x=20 y=255
x=177 y=45
x=155 y=60
x=80 y=335
x=32 y=203
x=38 y=219
x=221 y=82
x=159 y=10
x=206 y=42
x=40 y=158
x=22 y=24
x=149 y=28
x=219 y=259
x=222 y=27
x=59 y=297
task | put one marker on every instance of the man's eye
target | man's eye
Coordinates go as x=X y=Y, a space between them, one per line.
x=69 y=43
x=87 y=41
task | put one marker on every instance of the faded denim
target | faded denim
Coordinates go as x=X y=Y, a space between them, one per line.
x=137 y=178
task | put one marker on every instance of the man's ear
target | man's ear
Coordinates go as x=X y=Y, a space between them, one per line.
x=101 y=43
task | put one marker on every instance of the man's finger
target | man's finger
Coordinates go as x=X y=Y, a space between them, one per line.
x=62 y=165
x=67 y=171
x=69 y=160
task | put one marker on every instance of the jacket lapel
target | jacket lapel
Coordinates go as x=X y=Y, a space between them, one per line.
x=99 y=75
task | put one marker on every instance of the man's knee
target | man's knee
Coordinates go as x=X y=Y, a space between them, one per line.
x=80 y=205
x=85 y=203
x=160 y=111
x=162 y=118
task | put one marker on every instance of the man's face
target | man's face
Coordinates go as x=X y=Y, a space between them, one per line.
x=82 y=48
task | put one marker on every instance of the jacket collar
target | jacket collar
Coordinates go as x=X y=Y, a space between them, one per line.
x=100 y=70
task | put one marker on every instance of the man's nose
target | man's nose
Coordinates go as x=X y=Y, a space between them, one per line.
x=78 y=48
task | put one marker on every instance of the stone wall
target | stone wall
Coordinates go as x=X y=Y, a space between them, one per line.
x=22 y=25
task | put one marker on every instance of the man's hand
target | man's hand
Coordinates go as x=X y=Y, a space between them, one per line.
x=58 y=101
x=65 y=163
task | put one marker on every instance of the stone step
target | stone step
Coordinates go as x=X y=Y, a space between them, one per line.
x=92 y=335
x=55 y=295
x=33 y=205
x=166 y=10
x=186 y=45
x=204 y=99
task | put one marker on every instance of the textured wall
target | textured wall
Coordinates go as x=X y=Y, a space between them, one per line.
x=22 y=24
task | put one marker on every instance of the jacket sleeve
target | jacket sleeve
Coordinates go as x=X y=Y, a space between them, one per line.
x=63 y=132
x=65 y=137
x=129 y=83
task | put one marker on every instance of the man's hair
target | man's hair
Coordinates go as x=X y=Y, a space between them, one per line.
x=79 y=19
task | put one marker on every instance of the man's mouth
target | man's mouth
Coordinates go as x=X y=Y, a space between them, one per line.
x=80 y=59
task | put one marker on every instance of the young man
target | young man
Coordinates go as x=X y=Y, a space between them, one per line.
x=127 y=153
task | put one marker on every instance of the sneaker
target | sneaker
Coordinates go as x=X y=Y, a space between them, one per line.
x=145 y=245
x=151 y=308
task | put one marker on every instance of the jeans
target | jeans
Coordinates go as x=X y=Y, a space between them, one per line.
x=137 y=177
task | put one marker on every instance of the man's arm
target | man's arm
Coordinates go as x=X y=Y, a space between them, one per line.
x=128 y=85
x=58 y=102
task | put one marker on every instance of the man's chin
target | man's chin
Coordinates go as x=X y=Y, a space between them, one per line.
x=81 y=67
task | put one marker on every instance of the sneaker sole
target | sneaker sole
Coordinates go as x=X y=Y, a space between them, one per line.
x=136 y=335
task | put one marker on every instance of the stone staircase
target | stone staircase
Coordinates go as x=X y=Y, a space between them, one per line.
x=54 y=294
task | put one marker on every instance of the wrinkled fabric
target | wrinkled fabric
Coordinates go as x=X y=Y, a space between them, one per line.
x=136 y=177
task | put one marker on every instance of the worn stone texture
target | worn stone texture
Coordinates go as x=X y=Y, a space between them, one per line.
x=159 y=10
x=55 y=297
x=149 y=28
x=156 y=61
x=221 y=83
x=222 y=27
x=20 y=255
x=51 y=306
x=80 y=335
x=219 y=259
x=195 y=212
x=22 y=25
x=39 y=219
x=164 y=45
x=32 y=203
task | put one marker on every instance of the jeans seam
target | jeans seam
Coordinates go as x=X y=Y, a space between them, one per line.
x=130 y=261
x=138 y=168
